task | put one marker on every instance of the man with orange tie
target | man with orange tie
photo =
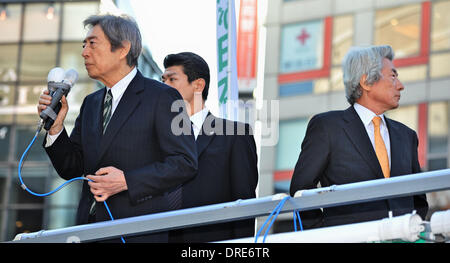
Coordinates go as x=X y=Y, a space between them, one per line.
x=360 y=143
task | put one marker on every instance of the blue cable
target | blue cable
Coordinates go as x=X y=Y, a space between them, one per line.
x=59 y=187
x=297 y=215
x=276 y=211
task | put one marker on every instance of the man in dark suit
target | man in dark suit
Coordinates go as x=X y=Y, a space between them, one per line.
x=227 y=161
x=122 y=139
x=360 y=143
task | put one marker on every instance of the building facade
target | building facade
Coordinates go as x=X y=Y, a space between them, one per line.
x=308 y=40
x=36 y=36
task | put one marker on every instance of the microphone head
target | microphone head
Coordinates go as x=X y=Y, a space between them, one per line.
x=55 y=75
x=70 y=77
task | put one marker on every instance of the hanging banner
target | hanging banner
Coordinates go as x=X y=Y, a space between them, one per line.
x=247 y=45
x=226 y=60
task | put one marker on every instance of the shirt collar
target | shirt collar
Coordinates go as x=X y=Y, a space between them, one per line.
x=367 y=115
x=119 y=88
x=198 y=118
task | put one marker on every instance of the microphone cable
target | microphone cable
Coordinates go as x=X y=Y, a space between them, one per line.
x=22 y=183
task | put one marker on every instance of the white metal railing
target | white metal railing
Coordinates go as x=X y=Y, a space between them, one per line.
x=243 y=209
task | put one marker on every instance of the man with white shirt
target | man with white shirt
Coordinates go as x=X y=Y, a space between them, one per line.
x=227 y=161
x=122 y=139
x=360 y=143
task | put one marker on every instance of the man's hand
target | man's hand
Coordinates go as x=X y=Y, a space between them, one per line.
x=106 y=182
x=44 y=100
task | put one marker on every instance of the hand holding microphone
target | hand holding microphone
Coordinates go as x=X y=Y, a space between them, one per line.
x=53 y=107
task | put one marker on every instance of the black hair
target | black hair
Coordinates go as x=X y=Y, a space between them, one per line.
x=194 y=66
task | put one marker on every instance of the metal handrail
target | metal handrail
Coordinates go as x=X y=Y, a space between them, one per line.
x=359 y=192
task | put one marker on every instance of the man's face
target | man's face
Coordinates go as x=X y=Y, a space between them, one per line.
x=174 y=76
x=385 y=93
x=100 y=62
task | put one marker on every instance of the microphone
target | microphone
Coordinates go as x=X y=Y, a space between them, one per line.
x=59 y=84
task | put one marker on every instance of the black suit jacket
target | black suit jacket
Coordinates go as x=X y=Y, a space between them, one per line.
x=227 y=171
x=138 y=140
x=337 y=150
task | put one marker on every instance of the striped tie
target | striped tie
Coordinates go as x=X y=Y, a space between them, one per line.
x=107 y=109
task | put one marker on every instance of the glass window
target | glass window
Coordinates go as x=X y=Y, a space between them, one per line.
x=399 y=27
x=412 y=73
x=28 y=97
x=289 y=144
x=37 y=61
x=41 y=22
x=10 y=22
x=437 y=164
x=440 y=65
x=24 y=135
x=440 y=31
x=342 y=37
x=337 y=79
x=438 y=127
x=8 y=62
x=6 y=98
x=74 y=15
x=61 y=217
x=315 y=86
x=302 y=46
x=71 y=58
x=75 y=99
x=6 y=103
x=5 y=131
x=3 y=176
x=23 y=221
x=407 y=115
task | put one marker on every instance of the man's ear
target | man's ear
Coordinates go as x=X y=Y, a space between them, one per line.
x=125 y=49
x=199 y=85
x=363 y=83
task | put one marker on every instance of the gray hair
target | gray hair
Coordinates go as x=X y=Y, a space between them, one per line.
x=363 y=61
x=118 y=29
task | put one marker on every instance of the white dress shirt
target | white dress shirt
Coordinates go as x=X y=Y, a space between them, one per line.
x=366 y=117
x=197 y=121
x=117 y=91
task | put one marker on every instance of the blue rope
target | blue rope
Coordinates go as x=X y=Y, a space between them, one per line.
x=56 y=189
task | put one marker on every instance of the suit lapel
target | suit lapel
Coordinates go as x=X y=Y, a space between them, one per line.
x=397 y=144
x=358 y=136
x=96 y=124
x=129 y=101
x=207 y=133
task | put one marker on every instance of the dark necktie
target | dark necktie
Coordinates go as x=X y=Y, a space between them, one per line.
x=107 y=109
x=174 y=198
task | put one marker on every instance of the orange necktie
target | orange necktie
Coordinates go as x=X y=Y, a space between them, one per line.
x=380 y=147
